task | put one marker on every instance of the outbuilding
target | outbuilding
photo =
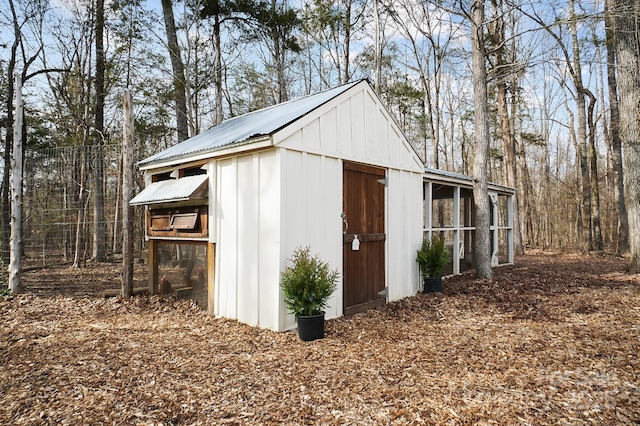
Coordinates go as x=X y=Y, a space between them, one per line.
x=226 y=208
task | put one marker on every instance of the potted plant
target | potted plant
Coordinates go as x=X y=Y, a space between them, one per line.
x=432 y=257
x=307 y=286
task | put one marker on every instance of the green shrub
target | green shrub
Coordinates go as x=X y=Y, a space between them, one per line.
x=308 y=283
x=432 y=257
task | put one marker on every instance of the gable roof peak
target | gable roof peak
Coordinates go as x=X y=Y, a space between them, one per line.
x=242 y=128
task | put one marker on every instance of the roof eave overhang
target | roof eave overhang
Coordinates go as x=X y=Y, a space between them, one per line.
x=449 y=180
x=259 y=142
x=172 y=191
x=465 y=181
x=182 y=202
x=501 y=188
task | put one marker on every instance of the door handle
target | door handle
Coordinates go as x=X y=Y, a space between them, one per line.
x=345 y=224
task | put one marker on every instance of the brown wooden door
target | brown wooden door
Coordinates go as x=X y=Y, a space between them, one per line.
x=364 y=269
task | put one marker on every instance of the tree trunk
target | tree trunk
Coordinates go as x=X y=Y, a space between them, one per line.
x=347 y=43
x=582 y=136
x=8 y=141
x=99 y=224
x=377 y=60
x=579 y=228
x=622 y=240
x=15 y=262
x=626 y=15
x=526 y=212
x=506 y=131
x=481 y=151
x=117 y=244
x=279 y=54
x=177 y=66
x=218 y=68
x=593 y=173
x=127 y=194
x=82 y=198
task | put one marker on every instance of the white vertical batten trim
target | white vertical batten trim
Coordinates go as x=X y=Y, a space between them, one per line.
x=213 y=209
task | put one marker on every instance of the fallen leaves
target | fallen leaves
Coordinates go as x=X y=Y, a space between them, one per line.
x=552 y=340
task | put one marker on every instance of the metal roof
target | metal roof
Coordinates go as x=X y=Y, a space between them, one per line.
x=445 y=173
x=452 y=176
x=172 y=190
x=239 y=129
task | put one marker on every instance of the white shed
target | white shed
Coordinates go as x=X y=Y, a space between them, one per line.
x=227 y=207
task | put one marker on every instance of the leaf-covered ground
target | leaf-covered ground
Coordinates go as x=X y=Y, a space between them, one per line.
x=553 y=340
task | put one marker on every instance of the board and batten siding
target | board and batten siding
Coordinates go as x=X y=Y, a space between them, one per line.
x=268 y=204
x=248 y=239
x=354 y=127
x=312 y=203
x=404 y=232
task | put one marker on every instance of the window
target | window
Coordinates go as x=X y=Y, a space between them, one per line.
x=184 y=221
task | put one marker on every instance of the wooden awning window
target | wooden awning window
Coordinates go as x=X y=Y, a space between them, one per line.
x=180 y=222
x=184 y=221
x=161 y=222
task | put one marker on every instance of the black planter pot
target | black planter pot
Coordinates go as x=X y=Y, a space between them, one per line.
x=311 y=327
x=432 y=285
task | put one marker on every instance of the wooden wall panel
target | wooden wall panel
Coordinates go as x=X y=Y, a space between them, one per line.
x=353 y=127
x=248 y=239
x=312 y=203
x=372 y=141
x=247 y=262
x=358 y=127
x=227 y=249
x=404 y=232
x=384 y=132
x=269 y=240
x=344 y=142
x=329 y=132
x=311 y=135
x=211 y=277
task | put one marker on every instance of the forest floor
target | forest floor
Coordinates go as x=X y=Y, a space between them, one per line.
x=552 y=340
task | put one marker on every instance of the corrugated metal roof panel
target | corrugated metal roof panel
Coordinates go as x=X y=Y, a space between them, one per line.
x=238 y=129
x=170 y=190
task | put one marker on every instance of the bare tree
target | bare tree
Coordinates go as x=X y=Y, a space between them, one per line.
x=572 y=61
x=481 y=150
x=15 y=264
x=334 y=25
x=504 y=72
x=99 y=225
x=127 y=194
x=71 y=108
x=616 y=144
x=422 y=21
x=28 y=45
x=8 y=142
x=218 y=11
x=626 y=19
x=20 y=54
x=177 y=65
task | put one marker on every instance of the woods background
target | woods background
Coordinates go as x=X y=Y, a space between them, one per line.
x=555 y=128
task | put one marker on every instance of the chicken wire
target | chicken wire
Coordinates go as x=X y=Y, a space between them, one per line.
x=52 y=203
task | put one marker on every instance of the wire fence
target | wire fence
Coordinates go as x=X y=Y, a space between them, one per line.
x=53 y=203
